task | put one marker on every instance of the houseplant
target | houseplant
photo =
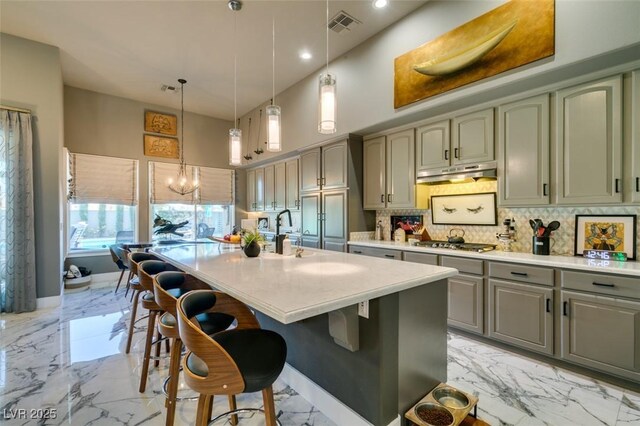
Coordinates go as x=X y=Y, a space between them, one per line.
x=250 y=240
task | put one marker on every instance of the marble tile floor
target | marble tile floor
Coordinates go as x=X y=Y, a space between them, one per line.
x=71 y=359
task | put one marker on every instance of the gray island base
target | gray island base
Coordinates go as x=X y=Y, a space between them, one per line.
x=402 y=352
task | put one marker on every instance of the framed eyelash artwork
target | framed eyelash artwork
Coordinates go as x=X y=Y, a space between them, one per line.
x=464 y=209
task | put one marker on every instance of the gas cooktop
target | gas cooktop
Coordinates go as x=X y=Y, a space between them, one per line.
x=477 y=247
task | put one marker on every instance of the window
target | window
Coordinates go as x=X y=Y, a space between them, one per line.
x=103 y=198
x=203 y=220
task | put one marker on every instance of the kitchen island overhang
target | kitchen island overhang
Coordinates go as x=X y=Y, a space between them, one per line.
x=403 y=345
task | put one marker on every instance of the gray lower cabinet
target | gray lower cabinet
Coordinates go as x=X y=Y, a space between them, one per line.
x=334 y=220
x=426 y=258
x=310 y=212
x=376 y=252
x=466 y=302
x=602 y=333
x=521 y=314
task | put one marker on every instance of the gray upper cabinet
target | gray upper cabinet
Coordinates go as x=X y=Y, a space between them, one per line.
x=334 y=166
x=251 y=190
x=260 y=190
x=334 y=220
x=389 y=171
x=292 y=185
x=523 y=152
x=310 y=170
x=472 y=138
x=375 y=186
x=433 y=143
x=634 y=120
x=589 y=143
x=269 y=188
x=279 y=190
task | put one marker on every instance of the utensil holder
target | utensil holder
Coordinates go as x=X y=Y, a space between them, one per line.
x=541 y=245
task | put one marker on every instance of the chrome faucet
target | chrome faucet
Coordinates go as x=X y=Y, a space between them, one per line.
x=279 y=238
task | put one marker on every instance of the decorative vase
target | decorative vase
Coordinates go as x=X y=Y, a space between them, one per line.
x=252 y=249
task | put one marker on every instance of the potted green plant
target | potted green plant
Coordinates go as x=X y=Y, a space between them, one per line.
x=250 y=240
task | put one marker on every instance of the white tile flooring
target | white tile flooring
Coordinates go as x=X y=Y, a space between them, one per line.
x=72 y=359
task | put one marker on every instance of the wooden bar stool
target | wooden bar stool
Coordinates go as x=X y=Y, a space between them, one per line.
x=135 y=286
x=226 y=363
x=168 y=287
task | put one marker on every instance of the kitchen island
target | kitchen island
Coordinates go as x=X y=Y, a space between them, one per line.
x=401 y=348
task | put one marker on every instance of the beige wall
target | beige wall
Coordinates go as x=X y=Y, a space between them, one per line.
x=100 y=124
x=31 y=78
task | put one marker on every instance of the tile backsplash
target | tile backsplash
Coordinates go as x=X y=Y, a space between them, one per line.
x=563 y=238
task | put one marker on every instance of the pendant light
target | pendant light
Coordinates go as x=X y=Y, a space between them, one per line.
x=182 y=185
x=327 y=103
x=235 y=135
x=273 y=111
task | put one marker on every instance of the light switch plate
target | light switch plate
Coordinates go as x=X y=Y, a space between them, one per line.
x=363 y=309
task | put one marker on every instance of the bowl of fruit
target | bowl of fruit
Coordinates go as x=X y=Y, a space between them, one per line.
x=234 y=237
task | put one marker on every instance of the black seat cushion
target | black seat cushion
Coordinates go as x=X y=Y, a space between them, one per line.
x=177 y=292
x=214 y=322
x=168 y=320
x=259 y=371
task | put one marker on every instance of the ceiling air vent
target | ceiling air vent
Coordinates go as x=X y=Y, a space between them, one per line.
x=341 y=21
x=169 y=89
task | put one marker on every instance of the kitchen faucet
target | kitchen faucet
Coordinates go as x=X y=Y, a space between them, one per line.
x=279 y=238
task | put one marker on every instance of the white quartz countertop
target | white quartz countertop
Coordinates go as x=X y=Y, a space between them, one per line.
x=290 y=289
x=630 y=268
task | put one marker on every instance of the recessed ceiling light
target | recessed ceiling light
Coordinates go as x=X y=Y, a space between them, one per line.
x=379 y=4
x=305 y=55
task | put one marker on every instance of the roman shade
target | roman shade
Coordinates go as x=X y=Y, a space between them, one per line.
x=102 y=180
x=216 y=186
x=159 y=192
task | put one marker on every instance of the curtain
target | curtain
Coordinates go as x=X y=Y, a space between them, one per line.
x=17 y=251
x=103 y=180
x=159 y=192
x=216 y=186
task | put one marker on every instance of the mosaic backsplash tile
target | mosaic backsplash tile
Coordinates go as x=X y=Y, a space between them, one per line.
x=563 y=238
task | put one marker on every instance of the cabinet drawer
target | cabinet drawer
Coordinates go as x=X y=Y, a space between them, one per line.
x=426 y=258
x=376 y=252
x=465 y=266
x=527 y=274
x=601 y=283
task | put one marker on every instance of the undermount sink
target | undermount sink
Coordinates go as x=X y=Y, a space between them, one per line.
x=275 y=256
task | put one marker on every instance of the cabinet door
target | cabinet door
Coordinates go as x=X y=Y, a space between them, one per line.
x=269 y=188
x=401 y=177
x=634 y=183
x=374 y=153
x=589 y=143
x=292 y=185
x=280 y=189
x=523 y=152
x=310 y=215
x=472 y=138
x=432 y=146
x=251 y=191
x=260 y=190
x=426 y=258
x=522 y=315
x=310 y=170
x=601 y=332
x=334 y=166
x=334 y=220
x=466 y=303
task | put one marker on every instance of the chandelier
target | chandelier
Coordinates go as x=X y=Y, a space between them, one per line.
x=182 y=185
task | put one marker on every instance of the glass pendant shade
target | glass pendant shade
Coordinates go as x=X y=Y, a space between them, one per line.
x=327 y=109
x=273 y=128
x=235 y=147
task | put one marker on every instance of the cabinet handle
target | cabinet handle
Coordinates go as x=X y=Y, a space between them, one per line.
x=520 y=274
x=564 y=308
x=390 y=256
x=456 y=152
x=446 y=154
x=638 y=184
x=544 y=189
x=603 y=284
x=388 y=198
x=382 y=198
x=617 y=185
x=548 y=305
x=356 y=252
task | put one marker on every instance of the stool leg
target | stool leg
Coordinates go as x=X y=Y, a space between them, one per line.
x=156 y=362
x=167 y=346
x=147 y=351
x=134 y=310
x=233 y=406
x=269 y=406
x=174 y=373
x=128 y=285
x=205 y=402
x=119 y=281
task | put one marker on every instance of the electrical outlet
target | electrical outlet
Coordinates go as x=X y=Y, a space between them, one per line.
x=363 y=309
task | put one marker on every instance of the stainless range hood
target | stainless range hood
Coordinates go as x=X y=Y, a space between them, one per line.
x=458 y=174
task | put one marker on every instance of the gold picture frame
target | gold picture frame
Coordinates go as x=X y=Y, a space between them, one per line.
x=158 y=122
x=161 y=146
x=514 y=34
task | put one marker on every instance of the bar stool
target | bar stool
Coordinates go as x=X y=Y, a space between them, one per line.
x=134 y=285
x=168 y=287
x=225 y=363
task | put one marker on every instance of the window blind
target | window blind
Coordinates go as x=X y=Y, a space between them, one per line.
x=103 y=180
x=159 y=192
x=216 y=186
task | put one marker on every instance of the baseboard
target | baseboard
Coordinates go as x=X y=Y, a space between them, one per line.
x=328 y=404
x=48 y=302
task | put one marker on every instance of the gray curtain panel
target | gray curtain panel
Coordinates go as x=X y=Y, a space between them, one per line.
x=17 y=251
